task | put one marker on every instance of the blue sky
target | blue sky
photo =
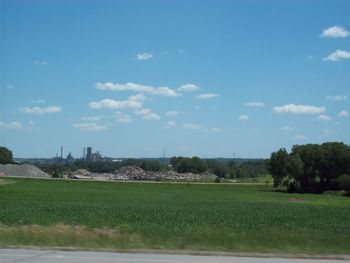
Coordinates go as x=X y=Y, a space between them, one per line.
x=205 y=78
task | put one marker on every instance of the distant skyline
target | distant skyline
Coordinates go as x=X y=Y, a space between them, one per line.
x=197 y=78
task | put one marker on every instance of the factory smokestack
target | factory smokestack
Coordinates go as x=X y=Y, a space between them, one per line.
x=61 y=152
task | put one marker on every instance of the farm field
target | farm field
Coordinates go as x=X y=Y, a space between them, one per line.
x=171 y=216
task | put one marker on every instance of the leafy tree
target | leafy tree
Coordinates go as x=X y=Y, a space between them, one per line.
x=311 y=167
x=5 y=155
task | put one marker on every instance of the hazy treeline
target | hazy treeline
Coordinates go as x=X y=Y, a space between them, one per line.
x=223 y=168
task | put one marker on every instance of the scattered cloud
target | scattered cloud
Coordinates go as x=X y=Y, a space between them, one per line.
x=188 y=87
x=215 y=130
x=337 y=97
x=327 y=133
x=39 y=101
x=130 y=86
x=323 y=117
x=170 y=124
x=40 y=62
x=337 y=55
x=343 y=114
x=192 y=126
x=9 y=86
x=133 y=102
x=243 y=117
x=147 y=114
x=123 y=118
x=172 y=113
x=165 y=92
x=144 y=56
x=91 y=118
x=286 y=128
x=299 y=109
x=39 y=110
x=255 y=104
x=335 y=32
x=15 y=125
x=205 y=96
x=91 y=126
x=197 y=107
x=301 y=137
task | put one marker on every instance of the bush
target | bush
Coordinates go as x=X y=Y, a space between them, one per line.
x=344 y=182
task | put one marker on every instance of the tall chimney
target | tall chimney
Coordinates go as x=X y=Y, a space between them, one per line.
x=61 y=152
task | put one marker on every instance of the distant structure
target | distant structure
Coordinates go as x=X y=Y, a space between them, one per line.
x=96 y=156
x=84 y=153
x=61 y=152
x=89 y=154
x=70 y=158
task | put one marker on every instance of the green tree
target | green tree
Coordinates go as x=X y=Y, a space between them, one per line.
x=5 y=155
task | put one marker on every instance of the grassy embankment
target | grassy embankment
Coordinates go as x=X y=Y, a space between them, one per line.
x=222 y=217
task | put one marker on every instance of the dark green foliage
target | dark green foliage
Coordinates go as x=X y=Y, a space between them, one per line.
x=5 y=155
x=344 y=182
x=188 y=165
x=311 y=167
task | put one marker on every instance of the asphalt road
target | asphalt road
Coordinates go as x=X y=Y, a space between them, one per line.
x=51 y=256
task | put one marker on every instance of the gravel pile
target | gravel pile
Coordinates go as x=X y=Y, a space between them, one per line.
x=23 y=170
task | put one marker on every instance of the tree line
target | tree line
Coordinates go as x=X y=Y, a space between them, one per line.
x=312 y=168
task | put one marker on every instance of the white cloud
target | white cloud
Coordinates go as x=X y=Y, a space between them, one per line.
x=301 y=137
x=144 y=56
x=243 y=117
x=40 y=62
x=15 y=125
x=130 y=86
x=337 y=97
x=9 y=86
x=299 y=109
x=147 y=114
x=215 y=130
x=188 y=87
x=123 y=118
x=172 y=113
x=334 y=32
x=337 y=55
x=324 y=117
x=165 y=92
x=40 y=101
x=91 y=118
x=130 y=103
x=192 y=126
x=286 y=128
x=255 y=104
x=91 y=126
x=343 y=114
x=205 y=96
x=170 y=124
x=39 y=110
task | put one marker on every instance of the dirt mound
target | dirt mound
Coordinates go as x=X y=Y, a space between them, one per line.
x=23 y=170
x=132 y=172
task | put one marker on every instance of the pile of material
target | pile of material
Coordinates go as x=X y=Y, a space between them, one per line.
x=131 y=172
x=80 y=174
x=23 y=170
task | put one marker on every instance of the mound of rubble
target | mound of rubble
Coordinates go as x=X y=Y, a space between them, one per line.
x=136 y=173
x=23 y=170
x=130 y=173
x=80 y=174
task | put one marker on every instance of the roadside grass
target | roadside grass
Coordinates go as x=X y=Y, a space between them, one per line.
x=172 y=216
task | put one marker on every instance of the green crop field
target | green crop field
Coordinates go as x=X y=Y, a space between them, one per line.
x=172 y=216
